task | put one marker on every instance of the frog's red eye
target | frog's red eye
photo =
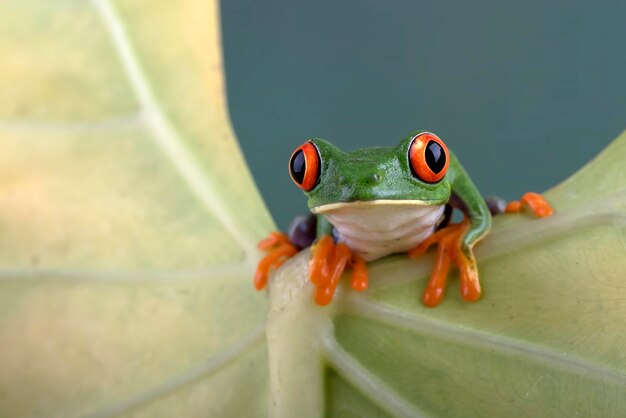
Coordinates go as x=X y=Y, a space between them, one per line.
x=304 y=166
x=428 y=157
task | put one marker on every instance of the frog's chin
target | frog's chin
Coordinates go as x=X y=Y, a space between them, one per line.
x=363 y=204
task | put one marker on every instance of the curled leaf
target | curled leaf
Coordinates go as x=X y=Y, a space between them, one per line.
x=128 y=221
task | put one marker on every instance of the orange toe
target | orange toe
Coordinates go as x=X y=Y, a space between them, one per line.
x=327 y=264
x=359 y=280
x=274 y=258
x=319 y=265
x=449 y=242
x=325 y=292
x=436 y=287
x=279 y=249
x=536 y=202
x=470 y=285
x=275 y=238
x=513 y=207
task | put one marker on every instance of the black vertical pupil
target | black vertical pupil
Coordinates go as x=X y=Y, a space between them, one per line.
x=298 y=166
x=435 y=157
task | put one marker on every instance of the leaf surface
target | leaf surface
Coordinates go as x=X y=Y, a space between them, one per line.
x=128 y=219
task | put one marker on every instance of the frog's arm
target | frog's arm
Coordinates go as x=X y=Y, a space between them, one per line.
x=455 y=241
x=323 y=227
x=468 y=200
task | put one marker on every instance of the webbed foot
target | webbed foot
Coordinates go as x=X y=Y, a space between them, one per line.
x=536 y=202
x=279 y=249
x=328 y=261
x=449 y=249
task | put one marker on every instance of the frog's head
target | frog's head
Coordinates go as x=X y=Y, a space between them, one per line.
x=412 y=173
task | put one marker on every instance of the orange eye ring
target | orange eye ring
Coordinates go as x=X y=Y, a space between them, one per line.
x=304 y=166
x=428 y=157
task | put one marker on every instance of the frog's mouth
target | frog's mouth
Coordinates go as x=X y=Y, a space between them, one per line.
x=370 y=203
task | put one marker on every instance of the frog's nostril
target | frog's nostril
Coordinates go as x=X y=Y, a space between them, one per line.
x=342 y=179
x=376 y=177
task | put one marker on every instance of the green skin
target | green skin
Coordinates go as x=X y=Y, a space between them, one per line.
x=371 y=174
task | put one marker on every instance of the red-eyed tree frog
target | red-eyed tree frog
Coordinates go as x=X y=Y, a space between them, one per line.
x=372 y=202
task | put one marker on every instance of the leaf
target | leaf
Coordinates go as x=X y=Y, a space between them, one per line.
x=128 y=219
x=547 y=338
x=127 y=227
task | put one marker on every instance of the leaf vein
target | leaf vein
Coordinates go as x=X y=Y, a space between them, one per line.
x=377 y=390
x=379 y=312
x=117 y=123
x=109 y=276
x=199 y=372
x=164 y=133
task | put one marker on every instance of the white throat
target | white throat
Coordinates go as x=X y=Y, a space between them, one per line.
x=378 y=228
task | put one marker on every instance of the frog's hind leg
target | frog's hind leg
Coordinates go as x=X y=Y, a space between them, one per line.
x=280 y=247
x=536 y=202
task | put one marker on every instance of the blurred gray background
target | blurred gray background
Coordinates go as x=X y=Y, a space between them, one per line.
x=524 y=92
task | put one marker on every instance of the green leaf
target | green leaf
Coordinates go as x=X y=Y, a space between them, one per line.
x=127 y=229
x=128 y=219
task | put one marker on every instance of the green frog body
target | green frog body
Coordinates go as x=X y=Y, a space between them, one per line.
x=373 y=202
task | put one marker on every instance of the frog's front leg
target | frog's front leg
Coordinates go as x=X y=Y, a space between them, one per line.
x=456 y=241
x=452 y=246
x=329 y=260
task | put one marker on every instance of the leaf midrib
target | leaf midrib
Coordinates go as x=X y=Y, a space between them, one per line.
x=165 y=134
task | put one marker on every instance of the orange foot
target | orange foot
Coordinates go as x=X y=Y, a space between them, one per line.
x=535 y=202
x=328 y=261
x=449 y=249
x=279 y=249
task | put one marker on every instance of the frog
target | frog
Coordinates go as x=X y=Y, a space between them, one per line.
x=373 y=202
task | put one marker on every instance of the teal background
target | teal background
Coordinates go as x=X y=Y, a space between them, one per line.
x=525 y=93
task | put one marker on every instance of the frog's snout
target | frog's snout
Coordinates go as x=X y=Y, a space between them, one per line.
x=355 y=186
x=373 y=178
